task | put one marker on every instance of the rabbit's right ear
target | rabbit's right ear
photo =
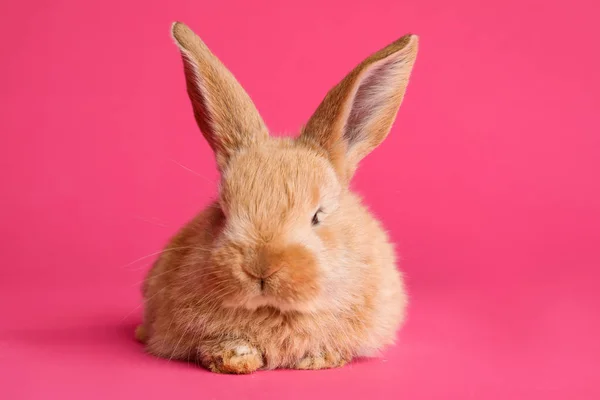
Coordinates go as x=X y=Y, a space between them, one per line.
x=223 y=110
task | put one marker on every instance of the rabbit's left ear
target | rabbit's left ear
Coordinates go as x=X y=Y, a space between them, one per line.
x=358 y=113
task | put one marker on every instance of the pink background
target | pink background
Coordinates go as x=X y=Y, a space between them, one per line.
x=488 y=183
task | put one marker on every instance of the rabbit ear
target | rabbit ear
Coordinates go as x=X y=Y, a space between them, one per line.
x=223 y=110
x=357 y=114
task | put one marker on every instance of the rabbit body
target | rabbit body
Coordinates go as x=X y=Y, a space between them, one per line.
x=287 y=269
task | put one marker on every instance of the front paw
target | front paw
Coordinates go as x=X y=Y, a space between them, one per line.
x=235 y=357
x=321 y=361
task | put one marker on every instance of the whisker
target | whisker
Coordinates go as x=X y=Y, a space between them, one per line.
x=168 y=329
x=192 y=171
x=151 y=277
x=149 y=221
x=189 y=325
x=156 y=253
x=144 y=301
x=223 y=292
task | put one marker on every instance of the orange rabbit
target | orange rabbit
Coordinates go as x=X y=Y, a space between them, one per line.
x=287 y=269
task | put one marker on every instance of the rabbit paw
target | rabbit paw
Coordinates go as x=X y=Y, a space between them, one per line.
x=321 y=361
x=236 y=357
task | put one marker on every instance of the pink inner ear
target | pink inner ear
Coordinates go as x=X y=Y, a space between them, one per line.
x=375 y=90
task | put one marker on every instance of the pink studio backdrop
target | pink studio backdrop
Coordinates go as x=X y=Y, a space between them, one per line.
x=488 y=183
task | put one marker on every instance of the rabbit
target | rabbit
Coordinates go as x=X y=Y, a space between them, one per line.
x=287 y=269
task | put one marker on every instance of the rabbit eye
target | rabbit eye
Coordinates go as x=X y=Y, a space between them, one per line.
x=315 y=218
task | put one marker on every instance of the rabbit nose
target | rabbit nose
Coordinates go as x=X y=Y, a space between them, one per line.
x=263 y=272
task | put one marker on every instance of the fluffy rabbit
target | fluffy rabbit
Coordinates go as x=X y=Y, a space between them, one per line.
x=287 y=269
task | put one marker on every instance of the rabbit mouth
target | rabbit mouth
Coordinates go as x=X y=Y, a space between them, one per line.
x=262 y=300
x=266 y=300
